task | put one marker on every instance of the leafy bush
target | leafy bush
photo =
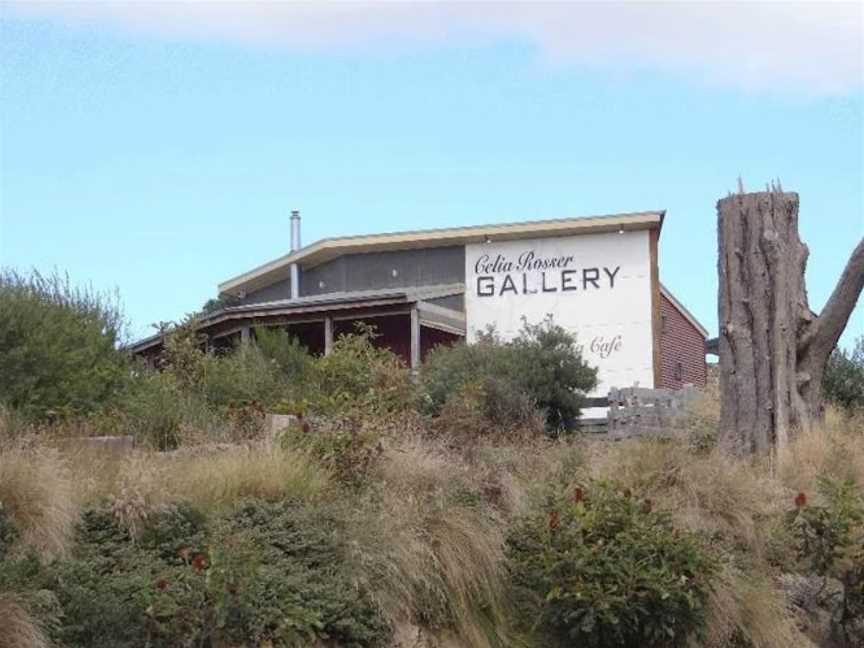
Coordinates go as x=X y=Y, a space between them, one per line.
x=542 y=365
x=299 y=586
x=240 y=377
x=290 y=356
x=59 y=346
x=843 y=381
x=344 y=447
x=264 y=573
x=157 y=408
x=359 y=376
x=829 y=540
x=600 y=568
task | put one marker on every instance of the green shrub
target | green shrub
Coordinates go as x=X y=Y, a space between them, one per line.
x=59 y=346
x=843 y=380
x=542 y=365
x=241 y=376
x=598 y=567
x=263 y=573
x=359 y=376
x=298 y=586
x=157 y=407
x=290 y=356
x=345 y=447
x=829 y=541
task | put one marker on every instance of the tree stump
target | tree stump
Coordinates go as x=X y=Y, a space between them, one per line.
x=773 y=348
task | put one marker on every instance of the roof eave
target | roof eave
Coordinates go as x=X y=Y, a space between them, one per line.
x=330 y=248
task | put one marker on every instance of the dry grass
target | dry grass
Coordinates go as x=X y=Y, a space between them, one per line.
x=437 y=555
x=216 y=480
x=18 y=629
x=747 y=607
x=835 y=448
x=207 y=477
x=38 y=495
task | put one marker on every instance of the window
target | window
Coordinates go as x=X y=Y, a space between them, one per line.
x=679 y=371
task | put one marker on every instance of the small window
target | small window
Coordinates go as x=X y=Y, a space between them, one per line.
x=662 y=323
x=679 y=371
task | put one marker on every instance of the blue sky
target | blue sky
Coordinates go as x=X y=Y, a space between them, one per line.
x=159 y=149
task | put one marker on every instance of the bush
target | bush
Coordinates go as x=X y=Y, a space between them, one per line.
x=158 y=407
x=843 y=381
x=829 y=540
x=242 y=376
x=59 y=346
x=600 y=568
x=292 y=358
x=359 y=376
x=264 y=573
x=542 y=366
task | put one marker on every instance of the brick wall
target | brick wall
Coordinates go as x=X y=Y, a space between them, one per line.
x=682 y=349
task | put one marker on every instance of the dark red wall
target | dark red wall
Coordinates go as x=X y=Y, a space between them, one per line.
x=682 y=349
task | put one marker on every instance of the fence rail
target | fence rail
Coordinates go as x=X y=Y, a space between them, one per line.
x=638 y=411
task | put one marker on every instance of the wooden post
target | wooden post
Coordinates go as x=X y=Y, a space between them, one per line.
x=415 y=338
x=773 y=348
x=328 y=335
x=245 y=335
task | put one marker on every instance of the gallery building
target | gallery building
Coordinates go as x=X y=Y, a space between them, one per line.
x=596 y=276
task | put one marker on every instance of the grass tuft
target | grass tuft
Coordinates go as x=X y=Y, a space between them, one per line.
x=37 y=495
x=18 y=629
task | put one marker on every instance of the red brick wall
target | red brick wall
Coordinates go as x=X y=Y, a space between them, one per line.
x=682 y=349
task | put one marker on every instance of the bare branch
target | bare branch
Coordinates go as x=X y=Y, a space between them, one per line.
x=826 y=330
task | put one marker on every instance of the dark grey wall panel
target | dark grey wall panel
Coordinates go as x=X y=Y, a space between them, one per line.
x=273 y=292
x=374 y=271
x=453 y=302
x=327 y=277
x=378 y=270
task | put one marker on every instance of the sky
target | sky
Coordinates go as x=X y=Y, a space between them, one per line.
x=157 y=148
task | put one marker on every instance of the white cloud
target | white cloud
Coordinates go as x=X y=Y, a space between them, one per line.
x=812 y=48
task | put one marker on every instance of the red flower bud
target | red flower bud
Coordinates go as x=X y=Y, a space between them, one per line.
x=162 y=584
x=553 y=520
x=200 y=562
x=578 y=495
x=800 y=500
x=306 y=427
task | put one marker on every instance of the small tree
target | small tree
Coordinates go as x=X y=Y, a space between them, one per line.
x=59 y=345
x=542 y=364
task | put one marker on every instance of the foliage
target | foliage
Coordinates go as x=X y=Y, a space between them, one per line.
x=264 y=573
x=288 y=354
x=843 y=380
x=241 y=377
x=359 y=376
x=829 y=540
x=59 y=346
x=599 y=567
x=344 y=447
x=158 y=407
x=542 y=365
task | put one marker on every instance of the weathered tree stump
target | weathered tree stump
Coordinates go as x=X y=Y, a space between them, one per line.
x=773 y=348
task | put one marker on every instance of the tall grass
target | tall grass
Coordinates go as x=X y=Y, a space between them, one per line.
x=18 y=629
x=38 y=496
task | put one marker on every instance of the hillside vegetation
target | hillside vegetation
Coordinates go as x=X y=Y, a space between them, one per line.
x=455 y=510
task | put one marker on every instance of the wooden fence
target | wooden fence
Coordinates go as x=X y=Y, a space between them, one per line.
x=637 y=411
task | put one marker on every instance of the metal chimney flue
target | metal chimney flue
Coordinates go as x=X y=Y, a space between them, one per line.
x=295 y=230
x=295 y=245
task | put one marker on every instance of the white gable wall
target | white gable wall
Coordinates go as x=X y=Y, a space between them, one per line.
x=597 y=286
